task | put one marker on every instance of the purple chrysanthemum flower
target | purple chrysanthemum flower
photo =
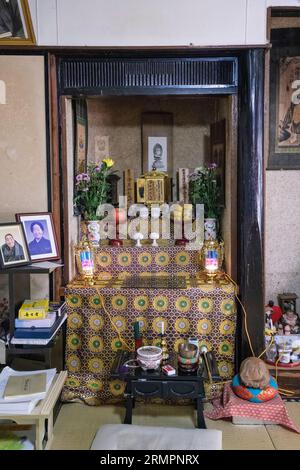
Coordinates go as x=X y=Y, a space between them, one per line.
x=212 y=166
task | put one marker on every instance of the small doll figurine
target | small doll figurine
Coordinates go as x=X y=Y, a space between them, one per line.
x=280 y=329
x=291 y=320
x=287 y=330
x=274 y=310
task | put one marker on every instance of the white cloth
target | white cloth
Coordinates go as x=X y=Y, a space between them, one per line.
x=131 y=437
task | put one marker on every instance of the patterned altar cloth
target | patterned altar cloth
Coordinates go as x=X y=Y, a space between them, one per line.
x=95 y=333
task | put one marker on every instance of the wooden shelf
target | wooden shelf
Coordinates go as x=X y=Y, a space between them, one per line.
x=30 y=269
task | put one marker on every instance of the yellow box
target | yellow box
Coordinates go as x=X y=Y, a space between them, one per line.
x=33 y=309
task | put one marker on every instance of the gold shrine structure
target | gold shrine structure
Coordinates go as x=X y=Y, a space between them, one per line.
x=154 y=187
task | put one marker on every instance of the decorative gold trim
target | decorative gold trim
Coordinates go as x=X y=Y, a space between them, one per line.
x=31 y=39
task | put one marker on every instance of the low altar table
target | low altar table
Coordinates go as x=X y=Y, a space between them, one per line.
x=94 y=333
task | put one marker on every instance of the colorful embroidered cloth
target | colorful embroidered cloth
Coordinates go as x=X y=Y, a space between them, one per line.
x=203 y=310
x=113 y=261
x=230 y=405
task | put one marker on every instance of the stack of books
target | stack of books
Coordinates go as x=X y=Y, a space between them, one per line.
x=40 y=331
x=20 y=392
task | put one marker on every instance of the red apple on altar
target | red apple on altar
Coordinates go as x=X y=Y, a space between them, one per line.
x=116 y=242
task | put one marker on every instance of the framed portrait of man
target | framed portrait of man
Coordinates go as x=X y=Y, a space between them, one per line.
x=13 y=246
x=40 y=235
x=15 y=23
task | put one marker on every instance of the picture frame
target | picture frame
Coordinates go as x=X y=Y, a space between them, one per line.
x=15 y=23
x=13 y=245
x=284 y=134
x=80 y=141
x=157 y=145
x=40 y=235
x=218 y=154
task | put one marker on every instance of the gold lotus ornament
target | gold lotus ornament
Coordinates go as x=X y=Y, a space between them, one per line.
x=84 y=255
x=211 y=258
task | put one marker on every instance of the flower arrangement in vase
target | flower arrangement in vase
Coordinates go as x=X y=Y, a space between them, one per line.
x=92 y=189
x=204 y=189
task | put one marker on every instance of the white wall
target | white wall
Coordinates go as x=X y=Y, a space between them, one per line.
x=282 y=247
x=149 y=23
x=23 y=175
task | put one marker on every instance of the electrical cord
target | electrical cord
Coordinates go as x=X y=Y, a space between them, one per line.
x=122 y=340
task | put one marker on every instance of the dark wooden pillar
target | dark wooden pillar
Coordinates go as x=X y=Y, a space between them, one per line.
x=251 y=201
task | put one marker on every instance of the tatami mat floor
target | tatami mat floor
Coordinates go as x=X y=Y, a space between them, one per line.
x=77 y=424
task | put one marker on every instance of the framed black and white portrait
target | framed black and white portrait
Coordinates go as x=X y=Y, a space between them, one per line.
x=158 y=153
x=157 y=136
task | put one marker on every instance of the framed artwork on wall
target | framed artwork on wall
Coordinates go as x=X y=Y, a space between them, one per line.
x=284 y=111
x=81 y=136
x=157 y=142
x=15 y=23
x=13 y=246
x=40 y=235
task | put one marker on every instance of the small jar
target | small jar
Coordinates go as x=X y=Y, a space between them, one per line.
x=285 y=356
x=295 y=358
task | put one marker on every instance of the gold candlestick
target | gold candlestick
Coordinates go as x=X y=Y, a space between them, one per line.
x=165 y=354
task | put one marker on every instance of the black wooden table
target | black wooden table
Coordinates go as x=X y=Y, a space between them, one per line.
x=155 y=384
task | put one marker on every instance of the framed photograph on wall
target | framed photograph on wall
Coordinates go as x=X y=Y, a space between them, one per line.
x=157 y=142
x=158 y=153
x=284 y=110
x=13 y=246
x=40 y=235
x=15 y=23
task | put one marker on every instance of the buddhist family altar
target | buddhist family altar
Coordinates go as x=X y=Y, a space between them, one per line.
x=101 y=316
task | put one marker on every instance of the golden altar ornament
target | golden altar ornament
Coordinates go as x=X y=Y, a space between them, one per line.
x=84 y=255
x=211 y=258
x=154 y=187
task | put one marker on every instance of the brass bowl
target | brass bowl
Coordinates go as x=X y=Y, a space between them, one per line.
x=188 y=350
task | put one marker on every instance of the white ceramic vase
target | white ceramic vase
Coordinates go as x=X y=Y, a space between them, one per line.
x=91 y=231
